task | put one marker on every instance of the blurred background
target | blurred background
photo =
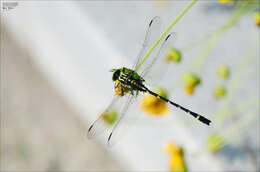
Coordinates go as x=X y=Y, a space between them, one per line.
x=55 y=81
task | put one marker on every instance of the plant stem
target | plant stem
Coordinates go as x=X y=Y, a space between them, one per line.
x=165 y=32
x=200 y=59
x=193 y=44
x=236 y=79
x=214 y=37
x=237 y=129
x=208 y=35
x=238 y=109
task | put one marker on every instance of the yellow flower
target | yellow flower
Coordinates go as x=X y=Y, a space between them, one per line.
x=191 y=80
x=171 y=148
x=215 y=143
x=110 y=117
x=223 y=1
x=219 y=91
x=154 y=106
x=223 y=72
x=173 y=55
x=189 y=89
x=121 y=90
x=177 y=163
x=257 y=18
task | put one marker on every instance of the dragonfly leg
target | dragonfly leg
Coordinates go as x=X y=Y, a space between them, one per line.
x=122 y=91
x=132 y=92
x=116 y=85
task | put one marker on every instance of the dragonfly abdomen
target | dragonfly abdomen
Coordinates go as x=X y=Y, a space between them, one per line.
x=197 y=116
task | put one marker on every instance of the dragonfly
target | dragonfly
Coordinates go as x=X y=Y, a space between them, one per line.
x=130 y=82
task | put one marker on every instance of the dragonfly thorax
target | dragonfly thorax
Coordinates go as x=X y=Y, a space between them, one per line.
x=125 y=72
x=127 y=80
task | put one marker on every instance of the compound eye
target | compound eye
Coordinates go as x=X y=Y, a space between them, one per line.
x=116 y=75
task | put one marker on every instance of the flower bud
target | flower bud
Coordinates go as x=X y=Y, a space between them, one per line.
x=219 y=91
x=215 y=143
x=173 y=55
x=191 y=79
x=223 y=72
x=257 y=18
x=110 y=117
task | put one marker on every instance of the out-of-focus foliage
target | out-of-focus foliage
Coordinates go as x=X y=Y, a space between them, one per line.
x=223 y=1
x=214 y=142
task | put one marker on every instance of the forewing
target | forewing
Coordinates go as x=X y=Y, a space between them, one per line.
x=100 y=125
x=151 y=34
x=156 y=67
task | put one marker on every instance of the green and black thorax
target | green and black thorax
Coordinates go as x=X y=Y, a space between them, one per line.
x=128 y=78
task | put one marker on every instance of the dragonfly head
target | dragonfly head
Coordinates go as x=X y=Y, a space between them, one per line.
x=116 y=74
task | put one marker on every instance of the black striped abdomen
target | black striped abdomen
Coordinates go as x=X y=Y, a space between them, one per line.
x=195 y=115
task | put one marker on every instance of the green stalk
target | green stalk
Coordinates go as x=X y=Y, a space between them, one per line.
x=165 y=32
x=200 y=59
x=237 y=126
x=236 y=79
x=238 y=109
x=193 y=44
x=209 y=35
x=197 y=62
x=237 y=129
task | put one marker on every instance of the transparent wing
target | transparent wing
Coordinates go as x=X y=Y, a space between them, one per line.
x=100 y=125
x=156 y=71
x=151 y=34
x=155 y=57
x=121 y=126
